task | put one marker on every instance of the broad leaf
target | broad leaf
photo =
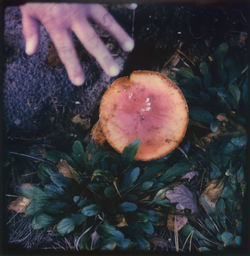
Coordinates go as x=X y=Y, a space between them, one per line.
x=186 y=72
x=110 y=232
x=91 y=210
x=107 y=175
x=130 y=151
x=44 y=171
x=65 y=226
x=177 y=170
x=59 y=180
x=34 y=208
x=201 y=115
x=128 y=207
x=147 y=227
x=78 y=153
x=227 y=238
x=130 y=177
x=42 y=221
x=33 y=192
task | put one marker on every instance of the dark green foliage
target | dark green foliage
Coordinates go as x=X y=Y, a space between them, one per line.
x=116 y=202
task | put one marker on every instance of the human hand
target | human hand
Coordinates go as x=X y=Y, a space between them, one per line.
x=63 y=19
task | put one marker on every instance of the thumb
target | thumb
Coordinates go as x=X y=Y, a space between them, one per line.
x=31 y=33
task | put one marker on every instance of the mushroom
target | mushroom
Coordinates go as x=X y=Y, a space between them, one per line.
x=146 y=106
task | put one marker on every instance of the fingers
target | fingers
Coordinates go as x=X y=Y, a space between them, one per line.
x=105 y=19
x=95 y=47
x=31 y=34
x=63 y=42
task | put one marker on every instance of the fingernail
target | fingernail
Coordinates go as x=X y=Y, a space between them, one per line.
x=29 y=49
x=114 y=70
x=78 y=80
x=129 y=45
x=133 y=6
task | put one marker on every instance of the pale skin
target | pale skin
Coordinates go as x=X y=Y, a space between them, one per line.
x=63 y=19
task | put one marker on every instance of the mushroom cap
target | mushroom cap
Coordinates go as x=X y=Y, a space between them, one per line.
x=146 y=106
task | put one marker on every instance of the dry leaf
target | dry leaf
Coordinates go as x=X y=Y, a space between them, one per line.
x=19 y=205
x=97 y=134
x=190 y=175
x=184 y=198
x=84 y=122
x=221 y=118
x=121 y=221
x=211 y=194
x=66 y=170
x=159 y=242
x=176 y=221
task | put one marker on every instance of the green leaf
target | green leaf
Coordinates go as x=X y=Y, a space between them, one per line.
x=240 y=174
x=103 y=173
x=235 y=91
x=206 y=74
x=78 y=219
x=177 y=170
x=55 y=156
x=109 y=246
x=163 y=202
x=126 y=244
x=154 y=216
x=186 y=72
x=227 y=192
x=57 y=208
x=147 y=227
x=80 y=201
x=65 y=226
x=110 y=192
x=141 y=217
x=245 y=93
x=78 y=153
x=239 y=141
x=42 y=221
x=97 y=159
x=147 y=185
x=128 y=207
x=33 y=192
x=220 y=54
x=151 y=172
x=130 y=151
x=130 y=177
x=187 y=229
x=215 y=172
x=238 y=240
x=110 y=232
x=53 y=191
x=59 y=180
x=221 y=206
x=227 y=238
x=201 y=115
x=91 y=210
x=84 y=242
x=44 y=171
x=34 y=208
x=143 y=244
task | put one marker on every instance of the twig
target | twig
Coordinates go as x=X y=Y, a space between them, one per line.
x=176 y=235
x=32 y=157
x=190 y=241
x=183 y=152
x=183 y=54
x=80 y=237
x=187 y=239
